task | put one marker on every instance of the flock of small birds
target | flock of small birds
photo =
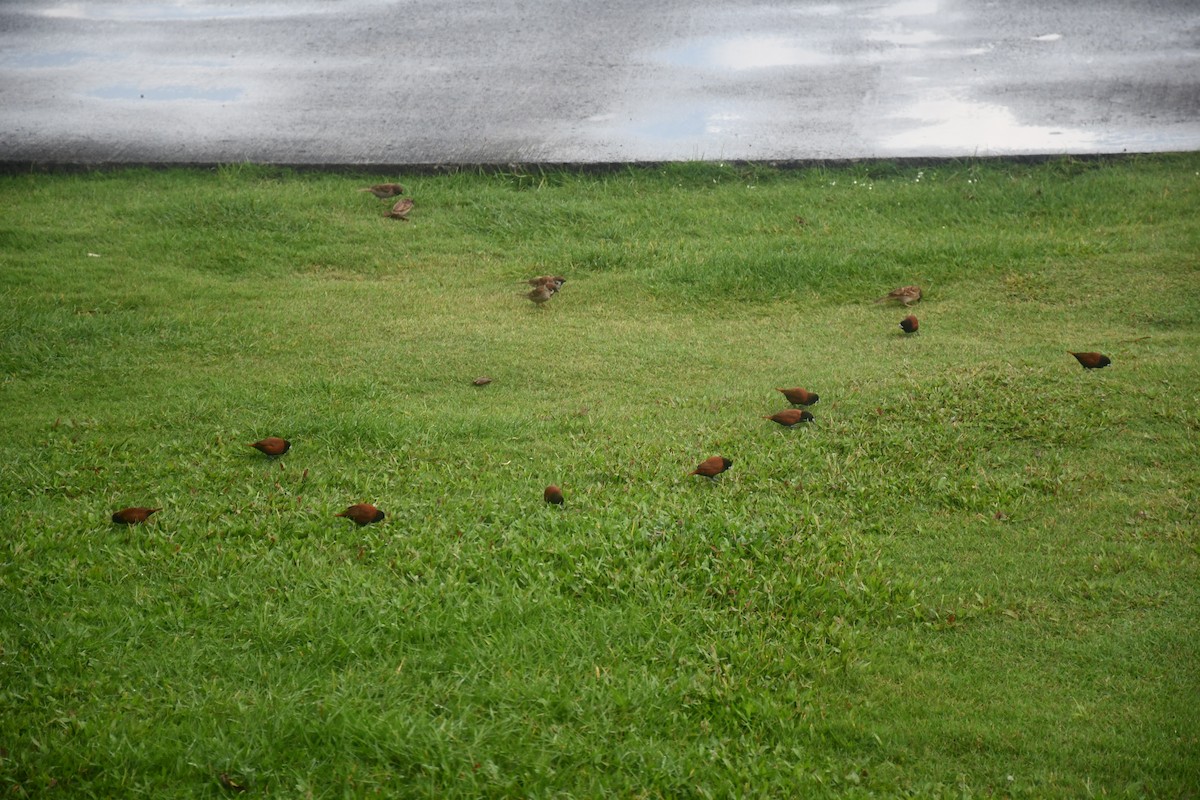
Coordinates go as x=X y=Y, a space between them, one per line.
x=544 y=288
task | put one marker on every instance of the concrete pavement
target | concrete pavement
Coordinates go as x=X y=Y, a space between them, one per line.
x=409 y=82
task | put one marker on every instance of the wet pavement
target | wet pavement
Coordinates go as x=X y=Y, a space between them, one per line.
x=396 y=82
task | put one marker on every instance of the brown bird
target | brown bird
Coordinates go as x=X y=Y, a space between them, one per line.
x=482 y=380
x=1092 y=360
x=791 y=416
x=909 y=324
x=362 y=514
x=905 y=294
x=401 y=209
x=133 y=515
x=800 y=396
x=554 y=281
x=712 y=467
x=384 y=190
x=272 y=446
x=541 y=294
x=553 y=494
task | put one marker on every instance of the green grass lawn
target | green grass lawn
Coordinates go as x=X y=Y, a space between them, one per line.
x=975 y=574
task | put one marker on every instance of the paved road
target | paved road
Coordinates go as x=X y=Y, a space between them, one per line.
x=498 y=81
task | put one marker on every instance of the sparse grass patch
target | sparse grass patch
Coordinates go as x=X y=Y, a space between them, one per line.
x=976 y=573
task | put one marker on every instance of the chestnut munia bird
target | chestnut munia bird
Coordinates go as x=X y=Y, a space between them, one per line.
x=384 y=190
x=799 y=396
x=712 y=467
x=272 y=446
x=541 y=294
x=133 y=515
x=401 y=209
x=553 y=494
x=1092 y=360
x=904 y=294
x=909 y=324
x=791 y=416
x=362 y=514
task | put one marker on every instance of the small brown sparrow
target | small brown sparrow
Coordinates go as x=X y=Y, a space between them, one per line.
x=541 y=294
x=905 y=294
x=384 y=190
x=555 y=281
x=482 y=380
x=401 y=209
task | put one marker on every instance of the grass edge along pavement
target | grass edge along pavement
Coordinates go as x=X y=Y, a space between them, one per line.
x=973 y=572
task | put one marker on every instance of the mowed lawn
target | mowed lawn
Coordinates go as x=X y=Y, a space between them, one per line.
x=976 y=573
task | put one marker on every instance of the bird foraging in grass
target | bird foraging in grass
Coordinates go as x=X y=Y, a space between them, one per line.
x=362 y=514
x=541 y=294
x=1092 y=360
x=401 y=209
x=909 y=324
x=800 y=396
x=553 y=495
x=791 y=416
x=271 y=446
x=384 y=190
x=554 y=281
x=133 y=515
x=712 y=467
x=904 y=294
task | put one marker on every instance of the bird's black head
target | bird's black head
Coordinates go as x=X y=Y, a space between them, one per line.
x=379 y=515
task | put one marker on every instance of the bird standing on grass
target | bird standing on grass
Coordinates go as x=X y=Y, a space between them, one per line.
x=133 y=515
x=909 y=324
x=553 y=495
x=554 y=281
x=272 y=446
x=712 y=467
x=1092 y=360
x=362 y=514
x=384 y=190
x=800 y=396
x=401 y=209
x=904 y=294
x=791 y=416
x=541 y=294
